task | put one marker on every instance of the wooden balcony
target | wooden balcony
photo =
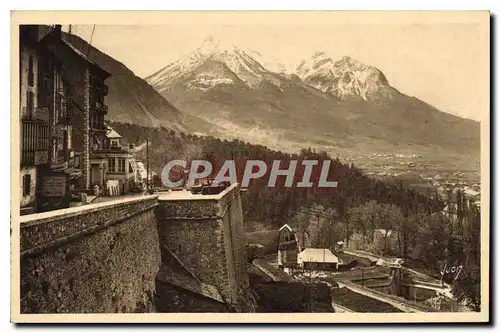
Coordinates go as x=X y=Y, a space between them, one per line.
x=97 y=128
x=60 y=162
x=34 y=142
x=103 y=108
x=99 y=87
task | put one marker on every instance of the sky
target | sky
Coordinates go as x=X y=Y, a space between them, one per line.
x=443 y=64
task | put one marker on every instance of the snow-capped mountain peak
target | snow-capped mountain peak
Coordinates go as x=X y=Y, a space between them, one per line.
x=272 y=63
x=343 y=78
x=212 y=54
x=213 y=46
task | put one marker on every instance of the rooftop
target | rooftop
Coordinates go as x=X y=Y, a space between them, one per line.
x=317 y=255
x=286 y=226
x=111 y=133
x=83 y=56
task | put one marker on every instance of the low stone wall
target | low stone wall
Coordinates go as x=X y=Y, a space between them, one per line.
x=98 y=258
x=294 y=297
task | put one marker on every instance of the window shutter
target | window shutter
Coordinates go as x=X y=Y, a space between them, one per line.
x=26 y=185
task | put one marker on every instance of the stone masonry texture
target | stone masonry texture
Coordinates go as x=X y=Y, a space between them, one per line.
x=207 y=236
x=104 y=258
x=100 y=260
x=172 y=299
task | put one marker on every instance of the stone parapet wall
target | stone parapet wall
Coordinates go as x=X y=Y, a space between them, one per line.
x=100 y=258
x=104 y=258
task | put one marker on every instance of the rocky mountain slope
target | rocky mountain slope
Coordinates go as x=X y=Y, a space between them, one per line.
x=339 y=105
x=344 y=78
x=131 y=99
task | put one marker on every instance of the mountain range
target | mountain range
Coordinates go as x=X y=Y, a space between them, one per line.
x=339 y=105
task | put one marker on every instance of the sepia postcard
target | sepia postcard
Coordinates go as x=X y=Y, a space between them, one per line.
x=251 y=167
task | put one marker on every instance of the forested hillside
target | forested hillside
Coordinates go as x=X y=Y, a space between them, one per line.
x=276 y=205
x=360 y=205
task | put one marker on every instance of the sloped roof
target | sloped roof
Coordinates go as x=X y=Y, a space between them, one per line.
x=85 y=57
x=286 y=226
x=77 y=51
x=60 y=40
x=112 y=134
x=317 y=255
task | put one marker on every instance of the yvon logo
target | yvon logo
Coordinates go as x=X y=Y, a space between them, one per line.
x=450 y=271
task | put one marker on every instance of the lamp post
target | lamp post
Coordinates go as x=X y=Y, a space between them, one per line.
x=147 y=164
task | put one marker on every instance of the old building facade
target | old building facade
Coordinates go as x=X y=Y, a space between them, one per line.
x=61 y=115
x=45 y=122
x=120 y=164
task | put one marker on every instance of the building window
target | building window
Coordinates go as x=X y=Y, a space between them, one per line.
x=43 y=137
x=57 y=109
x=111 y=165
x=65 y=145
x=62 y=107
x=55 y=150
x=44 y=83
x=26 y=185
x=31 y=72
x=121 y=165
x=30 y=104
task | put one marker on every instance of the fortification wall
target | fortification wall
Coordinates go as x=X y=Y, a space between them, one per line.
x=205 y=232
x=90 y=259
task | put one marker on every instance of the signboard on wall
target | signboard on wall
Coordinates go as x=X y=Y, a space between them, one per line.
x=54 y=186
x=53 y=191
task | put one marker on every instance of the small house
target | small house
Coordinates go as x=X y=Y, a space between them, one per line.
x=317 y=259
x=286 y=237
x=121 y=163
x=290 y=244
